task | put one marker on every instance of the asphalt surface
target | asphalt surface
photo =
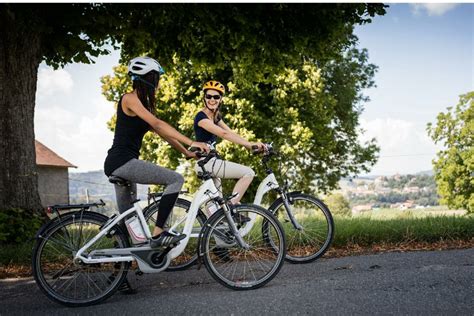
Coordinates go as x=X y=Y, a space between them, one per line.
x=413 y=283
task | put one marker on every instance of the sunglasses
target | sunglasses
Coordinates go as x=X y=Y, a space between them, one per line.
x=215 y=97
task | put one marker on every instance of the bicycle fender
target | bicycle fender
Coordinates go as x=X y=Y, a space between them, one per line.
x=205 y=226
x=54 y=221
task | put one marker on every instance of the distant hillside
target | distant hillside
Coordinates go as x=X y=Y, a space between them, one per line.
x=425 y=173
x=386 y=191
x=97 y=185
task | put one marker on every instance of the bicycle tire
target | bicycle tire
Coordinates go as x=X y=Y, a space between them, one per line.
x=238 y=257
x=304 y=253
x=45 y=239
x=185 y=260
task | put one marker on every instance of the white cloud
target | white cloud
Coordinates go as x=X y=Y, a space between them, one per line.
x=53 y=81
x=405 y=146
x=83 y=140
x=432 y=9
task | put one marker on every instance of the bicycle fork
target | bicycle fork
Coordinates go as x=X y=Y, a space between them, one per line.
x=233 y=227
x=292 y=218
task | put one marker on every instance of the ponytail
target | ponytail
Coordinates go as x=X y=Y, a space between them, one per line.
x=146 y=87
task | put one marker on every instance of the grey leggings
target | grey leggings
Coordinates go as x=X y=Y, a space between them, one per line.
x=144 y=172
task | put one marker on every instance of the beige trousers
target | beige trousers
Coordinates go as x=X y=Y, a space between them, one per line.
x=222 y=169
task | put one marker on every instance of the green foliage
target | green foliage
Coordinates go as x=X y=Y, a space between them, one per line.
x=338 y=205
x=252 y=41
x=16 y=254
x=315 y=133
x=17 y=226
x=68 y=32
x=454 y=167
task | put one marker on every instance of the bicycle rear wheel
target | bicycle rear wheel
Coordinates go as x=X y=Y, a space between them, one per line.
x=313 y=240
x=238 y=268
x=70 y=282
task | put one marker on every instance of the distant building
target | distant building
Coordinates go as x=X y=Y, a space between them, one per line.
x=53 y=176
x=361 y=208
x=407 y=204
x=413 y=189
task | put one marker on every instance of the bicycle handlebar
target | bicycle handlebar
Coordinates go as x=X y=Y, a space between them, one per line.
x=267 y=151
x=212 y=153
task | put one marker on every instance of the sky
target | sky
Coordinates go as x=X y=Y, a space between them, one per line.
x=425 y=56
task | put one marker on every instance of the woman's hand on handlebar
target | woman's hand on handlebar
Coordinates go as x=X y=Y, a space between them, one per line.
x=191 y=155
x=258 y=147
x=202 y=146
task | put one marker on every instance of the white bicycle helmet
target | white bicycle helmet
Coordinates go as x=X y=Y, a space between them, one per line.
x=143 y=65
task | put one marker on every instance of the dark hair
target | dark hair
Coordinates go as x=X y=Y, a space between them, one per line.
x=217 y=114
x=145 y=86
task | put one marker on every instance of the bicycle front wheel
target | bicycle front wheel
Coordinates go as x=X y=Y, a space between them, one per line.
x=236 y=267
x=311 y=242
x=71 y=282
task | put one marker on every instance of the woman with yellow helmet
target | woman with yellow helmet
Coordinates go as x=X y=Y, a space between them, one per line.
x=208 y=125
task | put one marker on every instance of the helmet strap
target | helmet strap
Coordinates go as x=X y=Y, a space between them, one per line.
x=205 y=104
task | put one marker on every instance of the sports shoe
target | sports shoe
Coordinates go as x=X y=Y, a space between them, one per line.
x=165 y=239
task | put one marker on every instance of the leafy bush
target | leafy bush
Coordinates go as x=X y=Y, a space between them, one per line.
x=338 y=205
x=18 y=225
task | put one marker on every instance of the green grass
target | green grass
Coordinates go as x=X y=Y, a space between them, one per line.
x=376 y=227
x=16 y=254
x=366 y=231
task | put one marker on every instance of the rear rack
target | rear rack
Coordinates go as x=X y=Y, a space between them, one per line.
x=55 y=209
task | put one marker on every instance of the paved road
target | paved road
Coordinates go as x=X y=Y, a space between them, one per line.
x=415 y=283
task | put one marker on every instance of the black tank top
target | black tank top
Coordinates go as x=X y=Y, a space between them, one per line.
x=129 y=132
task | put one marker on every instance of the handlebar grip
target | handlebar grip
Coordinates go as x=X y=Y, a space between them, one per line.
x=255 y=150
x=197 y=151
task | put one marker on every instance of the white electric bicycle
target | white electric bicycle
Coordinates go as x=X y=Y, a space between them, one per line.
x=306 y=220
x=81 y=258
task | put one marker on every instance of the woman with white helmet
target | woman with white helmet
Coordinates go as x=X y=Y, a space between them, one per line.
x=208 y=125
x=135 y=117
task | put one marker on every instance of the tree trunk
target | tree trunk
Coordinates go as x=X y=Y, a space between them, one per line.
x=20 y=56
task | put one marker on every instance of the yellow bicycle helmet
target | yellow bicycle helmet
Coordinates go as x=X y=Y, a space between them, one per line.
x=214 y=85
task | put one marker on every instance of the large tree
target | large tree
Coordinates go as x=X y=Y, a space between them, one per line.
x=222 y=37
x=310 y=115
x=29 y=35
x=454 y=166
x=300 y=88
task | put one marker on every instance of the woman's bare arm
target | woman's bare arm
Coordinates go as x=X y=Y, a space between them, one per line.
x=227 y=134
x=132 y=103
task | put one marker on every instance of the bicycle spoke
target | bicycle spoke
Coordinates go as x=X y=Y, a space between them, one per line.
x=70 y=282
x=251 y=267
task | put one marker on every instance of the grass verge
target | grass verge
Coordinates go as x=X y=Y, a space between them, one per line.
x=353 y=236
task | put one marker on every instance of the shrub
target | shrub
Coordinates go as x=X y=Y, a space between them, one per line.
x=338 y=205
x=18 y=225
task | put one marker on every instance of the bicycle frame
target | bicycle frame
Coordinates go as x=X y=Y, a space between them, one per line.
x=206 y=192
x=270 y=183
x=267 y=184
